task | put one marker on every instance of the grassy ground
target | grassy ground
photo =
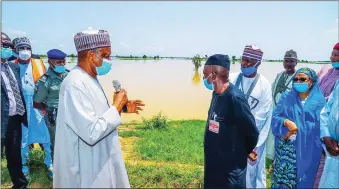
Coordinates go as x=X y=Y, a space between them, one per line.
x=157 y=153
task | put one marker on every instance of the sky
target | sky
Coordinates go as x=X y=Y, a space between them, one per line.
x=176 y=28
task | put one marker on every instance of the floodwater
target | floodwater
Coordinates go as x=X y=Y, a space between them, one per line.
x=170 y=86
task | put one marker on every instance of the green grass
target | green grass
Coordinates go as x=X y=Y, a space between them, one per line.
x=165 y=176
x=182 y=142
x=38 y=171
x=166 y=154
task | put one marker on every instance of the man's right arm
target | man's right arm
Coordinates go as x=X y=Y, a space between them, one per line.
x=81 y=116
x=245 y=120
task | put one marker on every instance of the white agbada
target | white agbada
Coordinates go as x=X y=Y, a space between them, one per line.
x=87 y=148
x=260 y=102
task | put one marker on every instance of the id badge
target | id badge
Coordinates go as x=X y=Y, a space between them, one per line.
x=213 y=126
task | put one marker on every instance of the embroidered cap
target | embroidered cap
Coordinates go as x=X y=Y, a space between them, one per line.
x=21 y=42
x=253 y=52
x=91 y=39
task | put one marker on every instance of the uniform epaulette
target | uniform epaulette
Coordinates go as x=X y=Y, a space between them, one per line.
x=44 y=77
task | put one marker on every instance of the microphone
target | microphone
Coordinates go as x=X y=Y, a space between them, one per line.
x=116 y=85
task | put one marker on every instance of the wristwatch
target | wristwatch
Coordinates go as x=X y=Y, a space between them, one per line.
x=124 y=109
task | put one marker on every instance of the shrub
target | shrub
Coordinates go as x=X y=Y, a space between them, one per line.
x=157 y=122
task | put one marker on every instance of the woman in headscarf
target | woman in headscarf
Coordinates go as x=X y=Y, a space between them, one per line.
x=296 y=127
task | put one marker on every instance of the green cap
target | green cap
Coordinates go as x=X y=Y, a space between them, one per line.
x=291 y=54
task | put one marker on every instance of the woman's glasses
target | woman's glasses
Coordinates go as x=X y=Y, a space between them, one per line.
x=302 y=79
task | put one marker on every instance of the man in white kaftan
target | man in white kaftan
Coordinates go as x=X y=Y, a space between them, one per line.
x=257 y=89
x=87 y=147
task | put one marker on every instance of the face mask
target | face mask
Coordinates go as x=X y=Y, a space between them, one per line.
x=59 y=69
x=104 y=68
x=6 y=53
x=209 y=86
x=335 y=64
x=247 y=71
x=301 y=87
x=25 y=54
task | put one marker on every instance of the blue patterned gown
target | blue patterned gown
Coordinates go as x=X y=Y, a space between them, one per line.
x=37 y=131
x=296 y=161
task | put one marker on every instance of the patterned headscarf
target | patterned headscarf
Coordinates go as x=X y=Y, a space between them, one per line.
x=21 y=42
x=311 y=73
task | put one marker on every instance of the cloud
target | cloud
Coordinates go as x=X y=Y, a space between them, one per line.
x=154 y=48
x=34 y=41
x=61 y=45
x=13 y=33
x=125 y=45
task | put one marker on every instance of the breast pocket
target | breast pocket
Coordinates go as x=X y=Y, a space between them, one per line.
x=54 y=89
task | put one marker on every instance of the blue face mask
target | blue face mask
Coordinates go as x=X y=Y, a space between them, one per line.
x=6 y=53
x=301 y=87
x=59 y=69
x=335 y=64
x=104 y=68
x=209 y=86
x=247 y=71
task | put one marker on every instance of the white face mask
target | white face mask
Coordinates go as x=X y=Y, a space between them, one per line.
x=25 y=54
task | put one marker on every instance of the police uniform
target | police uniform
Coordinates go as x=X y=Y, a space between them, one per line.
x=47 y=92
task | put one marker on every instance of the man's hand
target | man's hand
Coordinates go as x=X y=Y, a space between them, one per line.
x=120 y=99
x=133 y=106
x=291 y=126
x=289 y=134
x=331 y=146
x=253 y=156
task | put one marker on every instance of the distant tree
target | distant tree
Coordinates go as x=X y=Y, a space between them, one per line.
x=130 y=56
x=206 y=56
x=144 y=56
x=233 y=59
x=196 y=61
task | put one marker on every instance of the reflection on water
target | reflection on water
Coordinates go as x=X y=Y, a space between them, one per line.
x=196 y=78
x=170 y=86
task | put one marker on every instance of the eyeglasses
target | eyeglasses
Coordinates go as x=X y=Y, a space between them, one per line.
x=6 y=46
x=302 y=79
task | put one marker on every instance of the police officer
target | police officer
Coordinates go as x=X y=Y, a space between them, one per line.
x=46 y=96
